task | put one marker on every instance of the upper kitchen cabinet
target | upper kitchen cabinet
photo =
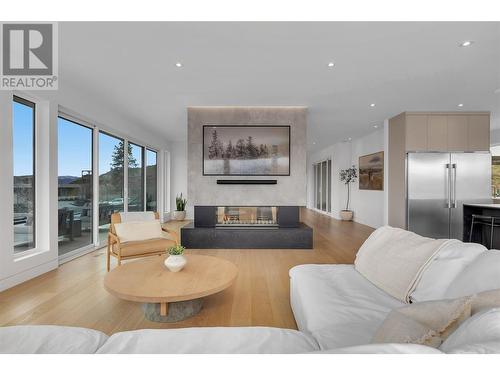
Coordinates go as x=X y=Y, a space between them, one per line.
x=457 y=133
x=416 y=132
x=478 y=128
x=444 y=132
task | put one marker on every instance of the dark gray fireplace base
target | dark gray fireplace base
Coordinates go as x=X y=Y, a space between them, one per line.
x=300 y=237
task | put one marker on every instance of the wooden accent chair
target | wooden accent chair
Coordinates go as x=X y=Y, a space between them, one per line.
x=136 y=249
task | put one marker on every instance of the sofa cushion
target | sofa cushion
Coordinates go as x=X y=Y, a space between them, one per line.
x=480 y=275
x=394 y=259
x=337 y=305
x=383 y=349
x=443 y=269
x=215 y=340
x=478 y=334
x=425 y=323
x=50 y=340
x=144 y=247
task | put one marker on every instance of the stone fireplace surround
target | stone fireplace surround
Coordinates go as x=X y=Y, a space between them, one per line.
x=287 y=193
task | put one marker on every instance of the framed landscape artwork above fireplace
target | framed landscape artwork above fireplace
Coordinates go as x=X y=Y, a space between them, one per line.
x=246 y=150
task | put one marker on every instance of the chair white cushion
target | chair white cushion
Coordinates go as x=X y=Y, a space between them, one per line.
x=478 y=334
x=138 y=230
x=50 y=340
x=126 y=217
x=480 y=275
x=337 y=305
x=210 y=340
x=384 y=349
x=443 y=269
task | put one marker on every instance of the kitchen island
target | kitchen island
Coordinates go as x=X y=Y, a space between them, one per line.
x=481 y=233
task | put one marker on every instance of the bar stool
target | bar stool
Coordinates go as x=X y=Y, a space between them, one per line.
x=489 y=221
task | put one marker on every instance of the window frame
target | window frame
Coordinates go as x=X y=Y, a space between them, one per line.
x=31 y=104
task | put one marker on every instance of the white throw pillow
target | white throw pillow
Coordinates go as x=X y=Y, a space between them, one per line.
x=448 y=264
x=127 y=217
x=424 y=323
x=482 y=274
x=478 y=334
x=138 y=230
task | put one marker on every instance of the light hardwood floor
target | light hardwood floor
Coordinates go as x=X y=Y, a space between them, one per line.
x=74 y=295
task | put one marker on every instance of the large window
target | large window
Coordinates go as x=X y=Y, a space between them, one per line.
x=74 y=185
x=323 y=183
x=135 y=178
x=111 y=180
x=23 y=126
x=151 y=180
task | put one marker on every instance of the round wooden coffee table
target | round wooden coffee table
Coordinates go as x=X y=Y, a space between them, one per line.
x=170 y=296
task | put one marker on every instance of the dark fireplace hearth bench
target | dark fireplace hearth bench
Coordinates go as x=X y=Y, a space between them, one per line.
x=245 y=227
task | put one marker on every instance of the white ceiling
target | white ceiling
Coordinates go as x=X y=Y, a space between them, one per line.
x=398 y=66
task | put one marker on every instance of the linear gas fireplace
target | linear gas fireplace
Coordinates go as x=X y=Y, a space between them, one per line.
x=245 y=216
x=246 y=227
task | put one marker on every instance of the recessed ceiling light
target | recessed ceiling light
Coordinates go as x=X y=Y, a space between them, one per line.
x=375 y=126
x=331 y=64
x=466 y=43
x=497 y=91
x=314 y=143
x=178 y=64
x=372 y=105
x=460 y=105
x=349 y=139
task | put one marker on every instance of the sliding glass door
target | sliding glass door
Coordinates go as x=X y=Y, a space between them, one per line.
x=120 y=164
x=151 y=181
x=322 y=185
x=75 y=187
x=135 y=177
x=111 y=180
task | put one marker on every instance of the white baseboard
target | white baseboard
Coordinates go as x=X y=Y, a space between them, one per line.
x=26 y=275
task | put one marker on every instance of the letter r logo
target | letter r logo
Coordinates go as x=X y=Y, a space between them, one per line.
x=27 y=49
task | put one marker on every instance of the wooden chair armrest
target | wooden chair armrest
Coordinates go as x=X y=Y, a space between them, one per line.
x=173 y=234
x=113 y=238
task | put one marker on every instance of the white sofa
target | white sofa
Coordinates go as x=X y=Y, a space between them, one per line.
x=337 y=310
x=340 y=308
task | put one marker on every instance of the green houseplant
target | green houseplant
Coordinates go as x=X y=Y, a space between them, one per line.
x=175 y=261
x=347 y=176
x=180 y=204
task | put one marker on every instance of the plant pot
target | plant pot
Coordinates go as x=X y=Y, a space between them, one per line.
x=179 y=215
x=175 y=263
x=346 y=215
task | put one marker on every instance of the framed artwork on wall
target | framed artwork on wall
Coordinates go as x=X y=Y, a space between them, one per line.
x=246 y=150
x=371 y=171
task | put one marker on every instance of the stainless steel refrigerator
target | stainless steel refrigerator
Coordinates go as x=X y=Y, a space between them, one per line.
x=438 y=184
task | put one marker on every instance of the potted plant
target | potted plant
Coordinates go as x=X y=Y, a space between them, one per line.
x=180 y=204
x=175 y=261
x=347 y=176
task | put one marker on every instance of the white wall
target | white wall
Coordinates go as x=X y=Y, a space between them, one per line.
x=368 y=206
x=178 y=175
x=48 y=104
